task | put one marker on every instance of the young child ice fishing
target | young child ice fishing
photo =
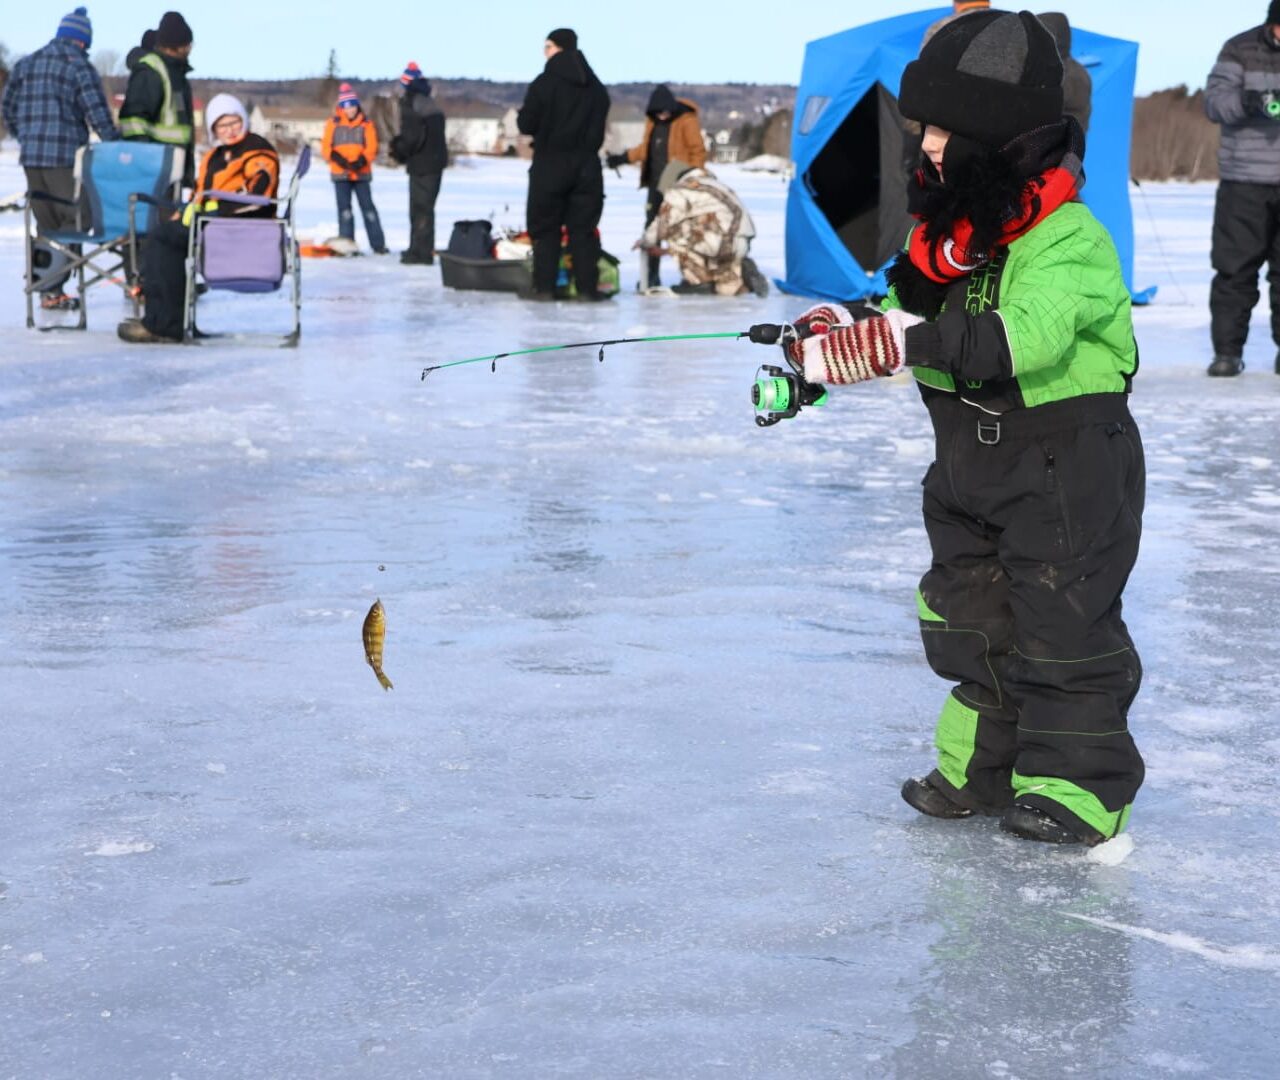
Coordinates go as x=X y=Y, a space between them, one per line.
x=1008 y=306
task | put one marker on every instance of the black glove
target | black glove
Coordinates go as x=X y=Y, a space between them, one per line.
x=614 y=160
x=1263 y=103
x=359 y=163
x=338 y=160
x=397 y=149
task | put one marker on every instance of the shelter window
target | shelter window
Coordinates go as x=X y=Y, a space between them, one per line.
x=814 y=107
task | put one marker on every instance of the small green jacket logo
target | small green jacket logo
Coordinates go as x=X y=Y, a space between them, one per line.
x=983 y=282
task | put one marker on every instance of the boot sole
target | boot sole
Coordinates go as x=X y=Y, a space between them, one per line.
x=928 y=800
x=1030 y=824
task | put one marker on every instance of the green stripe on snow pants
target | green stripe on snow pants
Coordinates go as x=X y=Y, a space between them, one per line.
x=1033 y=534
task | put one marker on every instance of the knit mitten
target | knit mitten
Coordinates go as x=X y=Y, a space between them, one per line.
x=857 y=351
x=820 y=319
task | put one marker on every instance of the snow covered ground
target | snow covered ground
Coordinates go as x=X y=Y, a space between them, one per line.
x=631 y=809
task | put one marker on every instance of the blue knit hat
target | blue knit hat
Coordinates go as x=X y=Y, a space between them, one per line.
x=412 y=73
x=347 y=96
x=77 y=27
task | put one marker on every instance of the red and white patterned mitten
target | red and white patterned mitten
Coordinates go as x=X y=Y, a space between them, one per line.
x=820 y=319
x=857 y=352
x=815 y=322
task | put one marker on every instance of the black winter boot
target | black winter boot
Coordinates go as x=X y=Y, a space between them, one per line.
x=1226 y=365
x=755 y=281
x=923 y=796
x=1278 y=361
x=1032 y=823
x=688 y=288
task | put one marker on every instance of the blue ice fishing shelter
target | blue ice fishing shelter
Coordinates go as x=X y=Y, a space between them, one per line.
x=847 y=204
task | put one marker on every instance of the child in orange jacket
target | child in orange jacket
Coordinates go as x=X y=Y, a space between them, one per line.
x=349 y=146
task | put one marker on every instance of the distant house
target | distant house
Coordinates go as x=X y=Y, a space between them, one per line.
x=473 y=134
x=292 y=125
x=258 y=120
x=724 y=151
x=511 y=143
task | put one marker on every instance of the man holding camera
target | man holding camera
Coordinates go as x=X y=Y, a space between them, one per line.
x=1243 y=95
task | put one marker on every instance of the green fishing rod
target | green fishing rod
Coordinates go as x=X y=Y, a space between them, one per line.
x=777 y=393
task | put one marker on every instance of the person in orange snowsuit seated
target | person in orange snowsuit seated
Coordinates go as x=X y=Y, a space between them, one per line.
x=349 y=146
x=238 y=161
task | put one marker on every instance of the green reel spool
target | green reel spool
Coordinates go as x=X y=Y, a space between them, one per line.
x=779 y=395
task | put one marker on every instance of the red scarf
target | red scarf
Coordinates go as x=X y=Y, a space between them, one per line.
x=944 y=258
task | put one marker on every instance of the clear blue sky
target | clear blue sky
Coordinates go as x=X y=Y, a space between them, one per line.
x=632 y=41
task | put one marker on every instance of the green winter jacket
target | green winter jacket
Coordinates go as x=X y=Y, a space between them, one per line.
x=1048 y=318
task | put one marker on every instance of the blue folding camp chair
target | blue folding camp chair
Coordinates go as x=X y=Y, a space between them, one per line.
x=105 y=247
x=246 y=255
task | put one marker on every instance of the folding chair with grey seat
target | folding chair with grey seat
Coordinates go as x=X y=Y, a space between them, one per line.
x=246 y=254
x=108 y=176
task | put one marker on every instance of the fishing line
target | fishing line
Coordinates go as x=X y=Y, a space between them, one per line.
x=1155 y=230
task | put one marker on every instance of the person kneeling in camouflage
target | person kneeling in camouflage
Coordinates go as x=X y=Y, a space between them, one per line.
x=704 y=225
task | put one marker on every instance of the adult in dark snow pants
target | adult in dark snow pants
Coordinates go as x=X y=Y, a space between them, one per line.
x=565 y=111
x=1243 y=96
x=421 y=147
x=1008 y=306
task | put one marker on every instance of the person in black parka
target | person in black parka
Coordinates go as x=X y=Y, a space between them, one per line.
x=421 y=148
x=565 y=110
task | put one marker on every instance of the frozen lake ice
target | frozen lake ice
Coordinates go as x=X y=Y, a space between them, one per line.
x=631 y=809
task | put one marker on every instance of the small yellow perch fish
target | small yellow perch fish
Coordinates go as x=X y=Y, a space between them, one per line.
x=373 y=631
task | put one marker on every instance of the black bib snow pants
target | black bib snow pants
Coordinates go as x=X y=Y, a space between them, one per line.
x=1034 y=518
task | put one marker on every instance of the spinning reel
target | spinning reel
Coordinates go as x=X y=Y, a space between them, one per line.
x=779 y=393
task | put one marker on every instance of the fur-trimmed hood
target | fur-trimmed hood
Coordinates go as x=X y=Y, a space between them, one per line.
x=985 y=188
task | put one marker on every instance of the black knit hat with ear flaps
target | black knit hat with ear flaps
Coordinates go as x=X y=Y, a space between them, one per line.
x=988 y=75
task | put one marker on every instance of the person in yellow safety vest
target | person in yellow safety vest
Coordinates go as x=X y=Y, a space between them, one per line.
x=157 y=102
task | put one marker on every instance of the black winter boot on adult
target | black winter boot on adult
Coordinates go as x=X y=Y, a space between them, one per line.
x=1230 y=365
x=1032 y=823
x=923 y=796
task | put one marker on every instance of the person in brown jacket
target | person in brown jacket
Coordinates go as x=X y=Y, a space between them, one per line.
x=672 y=132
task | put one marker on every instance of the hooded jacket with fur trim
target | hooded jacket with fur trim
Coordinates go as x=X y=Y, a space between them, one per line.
x=1047 y=318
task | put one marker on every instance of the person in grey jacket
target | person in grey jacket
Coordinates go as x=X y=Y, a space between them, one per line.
x=1243 y=95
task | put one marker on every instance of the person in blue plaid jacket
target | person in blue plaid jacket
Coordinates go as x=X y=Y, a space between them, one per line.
x=53 y=96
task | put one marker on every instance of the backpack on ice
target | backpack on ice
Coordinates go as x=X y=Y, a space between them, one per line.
x=472 y=239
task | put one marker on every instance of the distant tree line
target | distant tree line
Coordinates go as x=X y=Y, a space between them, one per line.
x=1172 y=137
